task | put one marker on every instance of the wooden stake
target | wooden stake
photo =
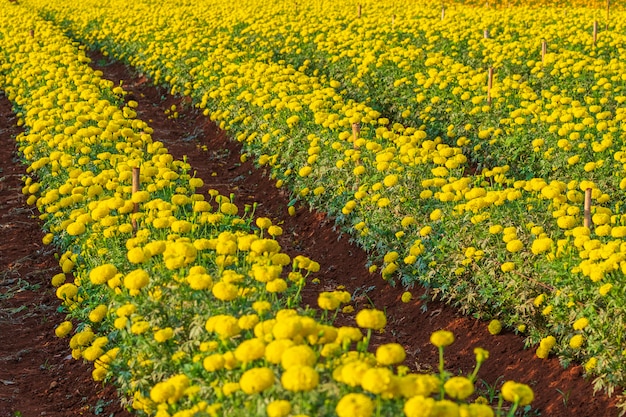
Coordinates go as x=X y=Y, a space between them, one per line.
x=544 y=50
x=489 y=85
x=356 y=129
x=359 y=11
x=31 y=33
x=587 y=211
x=135 y=188
x=486 y=34
x=595 y=32
x=608 y=7
x=443 y=12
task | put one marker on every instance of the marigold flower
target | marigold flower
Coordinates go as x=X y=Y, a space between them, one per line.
x=459 y=387
x=355 y=405
x=514 y=245
x=299 y=355
x=97 y=314
x=213 y=362
x=250 y=350
x=591 y=364
x=495 y=327
x=101 y=274
x=225 y=291
x=418 y=406
x=278 y=408
x=481 y=354
x=300 y=378
x=63 y=329
x=517 y=393
x=67 y=291
x=406 y=297
x=581 y=323
x=390 y=354
x=256 y=380
x=137 y=279
x=371 y=319
x=442 y=338
x=576 y=341
x=163 y=335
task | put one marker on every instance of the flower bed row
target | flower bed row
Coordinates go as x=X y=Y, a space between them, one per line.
x=185 y=301
x=494 y=241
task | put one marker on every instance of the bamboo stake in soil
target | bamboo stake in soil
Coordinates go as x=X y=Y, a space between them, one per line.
x=356 y=129
x=544 y=50
x=135 y=188
x=359 y=11
x=595 y=32
x=486 y=34
x=489 y=85
x=443 y=12
x=587 y=210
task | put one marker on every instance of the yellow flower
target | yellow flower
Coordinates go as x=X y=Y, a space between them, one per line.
x=225 y=291
x=481 y=354
x=371 y=319
x=63 y=329
x=75 y=228
x=459 y=387
x=225 y=326
x=278 y=408
x=67 y=291
x=442 y=338
x=507 y=267
x=298 y=356
x=256 y=380
x=58 y=279
x=102 y=273
x=136 y=280
x=517 y=393
x=136 y=255
x=355 y=405
x=200 y=281
x=390 y=354
x=261 y=306
x=276 y=286
x=419 y=406
x=140 y=327
x=604 y=290
x=495 y=327
x=274 y=350
x=406 y=297
x=581 y=323
x=97 y=314
x=250 y=350
x=576 y=341
x=514 y=245
x=591 y=364
x=164 y=334
x=541 y=245
x=300 y=378
x=328 y=301
x=436 y=214
x=213 y=362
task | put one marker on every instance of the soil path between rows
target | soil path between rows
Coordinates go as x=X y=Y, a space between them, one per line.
x=38 y=378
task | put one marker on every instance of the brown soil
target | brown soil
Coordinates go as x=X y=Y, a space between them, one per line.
x=37 y=378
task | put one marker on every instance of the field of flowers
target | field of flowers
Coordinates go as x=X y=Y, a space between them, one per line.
x=473 y=187
x=185 y=301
